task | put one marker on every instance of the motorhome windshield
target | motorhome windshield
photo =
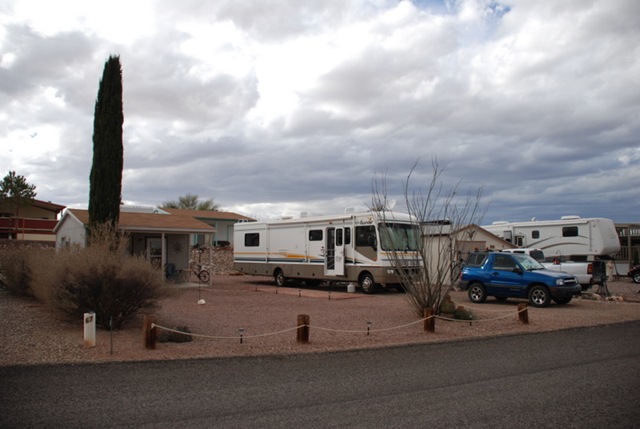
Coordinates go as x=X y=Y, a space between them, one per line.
x=399 y=236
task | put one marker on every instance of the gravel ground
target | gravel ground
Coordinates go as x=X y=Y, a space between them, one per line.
x=267 y=315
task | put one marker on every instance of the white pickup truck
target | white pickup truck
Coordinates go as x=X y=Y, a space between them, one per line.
x=582 y=270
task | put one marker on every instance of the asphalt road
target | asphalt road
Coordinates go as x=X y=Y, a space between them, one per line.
x=583 y=378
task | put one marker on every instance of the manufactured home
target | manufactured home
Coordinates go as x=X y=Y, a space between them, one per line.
x=570 y=236
x=350 y=248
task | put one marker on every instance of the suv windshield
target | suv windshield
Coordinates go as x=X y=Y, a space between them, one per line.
x=528 y=262
x=399 y=236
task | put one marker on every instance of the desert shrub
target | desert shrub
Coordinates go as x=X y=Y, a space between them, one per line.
x=462 y=313
x=447 y=305
x=101 y=278
x=16 y=273
x=17 y=267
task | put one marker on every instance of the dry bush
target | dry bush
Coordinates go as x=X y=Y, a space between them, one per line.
x=101 y=278
x=16 y=273
x=18 y=266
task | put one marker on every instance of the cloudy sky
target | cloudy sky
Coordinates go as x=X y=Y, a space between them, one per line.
x=273 y=107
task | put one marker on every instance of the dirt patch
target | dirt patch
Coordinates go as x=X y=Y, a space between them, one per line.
x=248 y=316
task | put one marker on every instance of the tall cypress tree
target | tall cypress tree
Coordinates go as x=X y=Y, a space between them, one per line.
x=105 y=181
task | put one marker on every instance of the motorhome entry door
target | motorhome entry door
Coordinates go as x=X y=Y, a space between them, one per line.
x=334 y=255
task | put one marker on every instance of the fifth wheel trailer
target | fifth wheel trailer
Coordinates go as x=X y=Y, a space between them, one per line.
x=570 y=236
x=351 y=247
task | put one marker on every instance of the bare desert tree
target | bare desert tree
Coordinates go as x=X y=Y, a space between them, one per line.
x=440 y=212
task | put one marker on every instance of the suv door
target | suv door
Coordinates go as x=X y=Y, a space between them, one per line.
x=506 y=277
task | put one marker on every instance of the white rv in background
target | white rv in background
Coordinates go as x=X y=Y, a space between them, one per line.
x=339 y=248
x=571 y=236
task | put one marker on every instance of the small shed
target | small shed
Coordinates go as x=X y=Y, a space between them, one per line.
x=160 y=236
x=446 y=248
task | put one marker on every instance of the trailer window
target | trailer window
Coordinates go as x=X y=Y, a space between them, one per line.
x=347 y=236
x=252 y=239
x=535 y=234
x=315 y=235
x=570 y=231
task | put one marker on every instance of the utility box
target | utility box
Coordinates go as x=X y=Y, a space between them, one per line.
x=89 y=329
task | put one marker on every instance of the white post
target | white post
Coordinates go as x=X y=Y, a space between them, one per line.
x=89 y=329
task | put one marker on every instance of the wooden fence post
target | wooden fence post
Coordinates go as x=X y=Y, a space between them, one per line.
x=523 y=313
x=303 y=329
x=149 y=332
x=429 y=320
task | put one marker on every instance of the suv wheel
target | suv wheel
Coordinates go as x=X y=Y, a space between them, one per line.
x=477 y=293
x=564 y=300
x=539 y=296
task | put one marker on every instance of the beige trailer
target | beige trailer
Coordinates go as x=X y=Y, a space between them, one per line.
x=346 y=248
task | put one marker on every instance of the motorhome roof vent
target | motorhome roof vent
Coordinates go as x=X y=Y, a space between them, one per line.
x=570 y=217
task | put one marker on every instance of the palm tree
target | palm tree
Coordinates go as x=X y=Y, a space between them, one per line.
x=191 y=202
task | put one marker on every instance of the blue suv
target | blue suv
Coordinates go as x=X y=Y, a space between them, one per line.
x=515 y=275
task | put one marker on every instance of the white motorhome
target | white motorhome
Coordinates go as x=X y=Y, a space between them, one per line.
x=574 y=236
x=339 y=248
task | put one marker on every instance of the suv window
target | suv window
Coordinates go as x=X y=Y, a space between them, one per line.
x=503 y=262
x=476 y=259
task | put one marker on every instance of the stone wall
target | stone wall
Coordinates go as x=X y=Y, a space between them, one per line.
x=217 y=260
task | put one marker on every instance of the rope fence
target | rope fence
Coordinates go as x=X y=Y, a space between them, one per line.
x=151 y=328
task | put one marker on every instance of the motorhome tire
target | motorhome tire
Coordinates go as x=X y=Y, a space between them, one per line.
x=279 y=278
x=367 y=284
x=539 y=296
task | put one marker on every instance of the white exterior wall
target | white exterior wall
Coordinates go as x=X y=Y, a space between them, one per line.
x=71 y=233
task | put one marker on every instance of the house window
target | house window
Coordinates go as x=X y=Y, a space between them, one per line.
x=252 y=239
x=315 y=235
x=535 y=234
x=570 y=231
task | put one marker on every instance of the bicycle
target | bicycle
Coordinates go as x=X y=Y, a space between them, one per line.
x=202 y=274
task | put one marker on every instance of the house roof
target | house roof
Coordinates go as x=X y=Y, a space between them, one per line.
x=484 y=231
x=47 y=205
x=177 y=223
x=209 y=215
